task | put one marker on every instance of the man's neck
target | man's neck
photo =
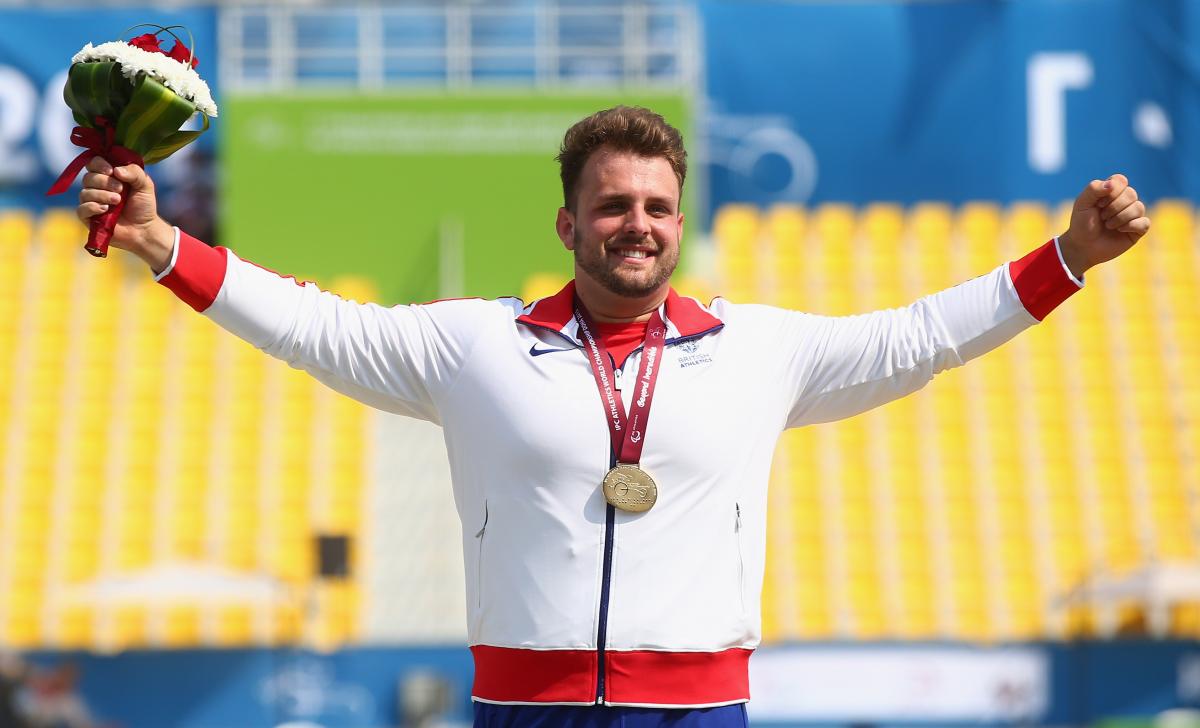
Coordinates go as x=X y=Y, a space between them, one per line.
x=604 y=306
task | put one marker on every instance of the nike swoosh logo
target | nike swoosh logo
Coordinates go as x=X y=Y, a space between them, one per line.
x=534 y=351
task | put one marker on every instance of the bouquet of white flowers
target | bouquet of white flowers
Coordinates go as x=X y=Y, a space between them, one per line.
x=130 y=99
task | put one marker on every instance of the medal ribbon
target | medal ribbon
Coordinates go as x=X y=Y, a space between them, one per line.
x=628 y=432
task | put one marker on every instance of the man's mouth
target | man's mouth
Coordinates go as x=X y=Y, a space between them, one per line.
x=632 y=252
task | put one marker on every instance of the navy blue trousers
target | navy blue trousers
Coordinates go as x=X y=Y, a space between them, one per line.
x=488 y=715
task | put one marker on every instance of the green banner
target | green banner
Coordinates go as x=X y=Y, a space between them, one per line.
x=423 y=195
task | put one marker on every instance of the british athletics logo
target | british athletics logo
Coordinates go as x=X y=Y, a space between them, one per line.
x=690 y=354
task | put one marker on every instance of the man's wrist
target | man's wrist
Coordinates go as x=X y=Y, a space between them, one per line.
x=157 y=245
x=1071 y=256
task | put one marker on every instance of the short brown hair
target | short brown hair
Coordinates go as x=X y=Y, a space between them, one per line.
x=624 y=128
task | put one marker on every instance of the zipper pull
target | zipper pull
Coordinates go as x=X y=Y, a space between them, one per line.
x=738 y=520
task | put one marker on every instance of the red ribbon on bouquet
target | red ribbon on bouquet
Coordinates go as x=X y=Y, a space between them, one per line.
x=97 y=142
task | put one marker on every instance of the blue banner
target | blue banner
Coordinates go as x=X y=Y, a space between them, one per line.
x=36 y=46
x=1080 y=684
x=976 y=99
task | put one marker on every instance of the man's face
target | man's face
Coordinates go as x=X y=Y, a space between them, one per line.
x=626 y=225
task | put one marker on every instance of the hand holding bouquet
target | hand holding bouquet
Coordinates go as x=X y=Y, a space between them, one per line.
x=130 y=100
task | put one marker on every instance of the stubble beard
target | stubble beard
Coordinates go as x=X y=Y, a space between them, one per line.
x=597 y=268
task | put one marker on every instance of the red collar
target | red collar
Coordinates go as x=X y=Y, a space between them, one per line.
x=685 y=317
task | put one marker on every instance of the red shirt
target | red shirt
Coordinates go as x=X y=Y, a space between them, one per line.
x=622 y=338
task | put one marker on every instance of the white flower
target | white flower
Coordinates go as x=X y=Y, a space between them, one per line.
x=175 y=75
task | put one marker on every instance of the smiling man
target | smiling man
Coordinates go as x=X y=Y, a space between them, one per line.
x=610 y=445
x=621 y=213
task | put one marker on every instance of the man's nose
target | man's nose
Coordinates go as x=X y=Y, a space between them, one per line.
x=637 y=222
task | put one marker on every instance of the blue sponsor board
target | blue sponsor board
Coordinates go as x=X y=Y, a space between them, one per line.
x=36 y=46
x=976 y=99
x=1070 y=684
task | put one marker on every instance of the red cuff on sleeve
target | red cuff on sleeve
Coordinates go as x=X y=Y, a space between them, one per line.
x=198 y=273
x=1041 y=281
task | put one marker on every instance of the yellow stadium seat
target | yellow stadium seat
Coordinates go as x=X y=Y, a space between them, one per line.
x=292 y=559
x=181 y=627
x=932 y=224
x=835 y=226
x=133 y=554
x=787 y=226
x=125 y=627
x=1030 y=224
x=16 y=234
x=542 y=285
x=234 y=627
x=287 y=625
x=1185 y=620
x=735 y=227
x=240 y=553
x=340 y=516
x=337 y=603
x=75 y=627
x=82 y=562
x=358 y=288
x=1060 y=218
x=696 y=287
x=883 y=224
x=59 y=229
x=980 y=226
x=21 y=629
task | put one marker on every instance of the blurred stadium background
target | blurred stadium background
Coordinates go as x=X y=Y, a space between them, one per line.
x=193 y=535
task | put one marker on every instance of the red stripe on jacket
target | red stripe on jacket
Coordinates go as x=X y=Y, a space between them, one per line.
x=1041 y=280
x=198 y=273
x=642 y=677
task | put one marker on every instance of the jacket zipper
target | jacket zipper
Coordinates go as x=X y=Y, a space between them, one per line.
x=610 y=528
x=610 y=516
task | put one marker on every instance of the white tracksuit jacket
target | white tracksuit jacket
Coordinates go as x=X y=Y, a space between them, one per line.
x=569 y=600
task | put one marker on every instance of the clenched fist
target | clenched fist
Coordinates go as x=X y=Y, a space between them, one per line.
x=1107 y=219
x=139 y=230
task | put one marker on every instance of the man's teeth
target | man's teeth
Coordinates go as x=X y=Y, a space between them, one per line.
x=633 y=253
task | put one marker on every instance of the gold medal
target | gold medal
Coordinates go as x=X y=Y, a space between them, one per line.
x=630 y=488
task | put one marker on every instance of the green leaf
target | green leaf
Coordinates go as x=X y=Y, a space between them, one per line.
x=96 y=89
x=174 y=142
x=154 y=113
x=170 y=145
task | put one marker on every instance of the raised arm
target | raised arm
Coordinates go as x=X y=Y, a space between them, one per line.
x=397 y=359
x=847 y=365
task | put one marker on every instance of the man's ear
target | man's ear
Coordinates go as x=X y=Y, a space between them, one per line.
x=565 y=225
